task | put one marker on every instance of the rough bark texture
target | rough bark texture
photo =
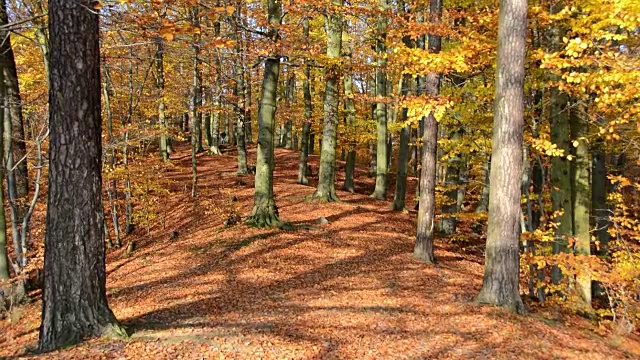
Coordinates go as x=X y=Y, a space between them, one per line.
x=427 y=202
x=74 y=302
x=326 y=175
x=502 y=257
x=265 y=213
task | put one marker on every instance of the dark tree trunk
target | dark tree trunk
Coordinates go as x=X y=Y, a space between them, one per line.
x=74 y=302
x=350 y=114
x=502 y=257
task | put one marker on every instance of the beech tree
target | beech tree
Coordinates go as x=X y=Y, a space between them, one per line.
x=502 y=255
x=74 y=302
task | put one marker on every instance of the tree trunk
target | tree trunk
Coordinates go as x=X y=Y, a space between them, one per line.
x=447 y=224
x=423 y=249
x=560 y=166
x=599 y=207
x=581 y=199
x=18 y=147
x=265 y=212
x=196 y=91
x=350 y=114
x=239 y=92
x=382 y=163
x=5 y=291
x=164 y=137
x=74 y=302
x=308 y=112
x=502 y=256
x=326 y=175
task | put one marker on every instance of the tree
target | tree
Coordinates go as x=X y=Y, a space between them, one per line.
x=265 y=213
x=308 y=111
x=423 y=249
x=326 y=190
x=502 y=256
x=382 y=164
x=74 y=302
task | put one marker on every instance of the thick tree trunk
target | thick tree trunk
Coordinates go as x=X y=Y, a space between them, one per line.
x=265 y=212
x=326 y=175
x=382 y=163
x=423 y=249
x=502 y=257
x=74 y=302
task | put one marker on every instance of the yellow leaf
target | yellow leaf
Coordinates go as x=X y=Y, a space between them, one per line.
x=576 y=143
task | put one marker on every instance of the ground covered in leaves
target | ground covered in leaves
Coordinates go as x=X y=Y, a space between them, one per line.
x=345 y=288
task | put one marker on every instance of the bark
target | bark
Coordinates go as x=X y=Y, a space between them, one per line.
x=502 y=257
x=423 y=249
x=265 y=212
x=382 y=163
x=74 y=302
x=196 y=91
x=326 y=175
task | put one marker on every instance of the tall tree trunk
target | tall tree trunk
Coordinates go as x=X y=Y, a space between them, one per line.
x=483 y=203
x=265 y=212
x=502 y=256
x=74 y=302
x=599 y=207
x=112 y=188
x=423 y=249
x=239 y=92
x=581 y=198
x=194 y=103
x=5 y=291
x=247 y=96
x=560 y=173
x=382 y=163
x=326 y=190
x=164 y=138
x=18 y=148
x=308 y=111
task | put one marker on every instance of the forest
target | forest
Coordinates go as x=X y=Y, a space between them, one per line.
x=375 y=179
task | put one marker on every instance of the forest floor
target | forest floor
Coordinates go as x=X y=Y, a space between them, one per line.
x=346 y=289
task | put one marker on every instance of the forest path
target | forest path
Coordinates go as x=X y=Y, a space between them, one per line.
x=349 y=289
